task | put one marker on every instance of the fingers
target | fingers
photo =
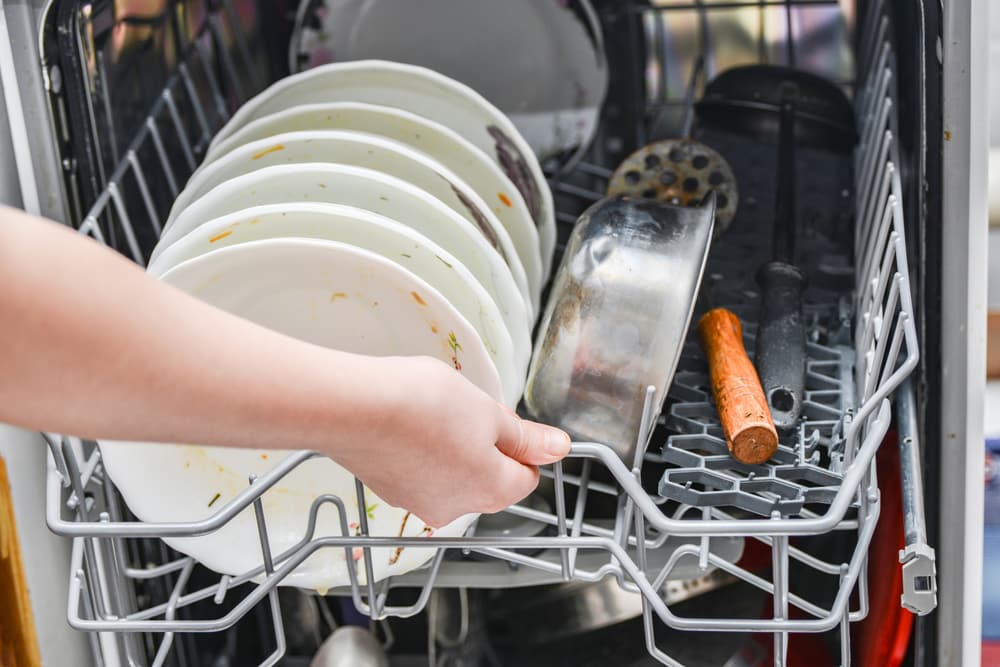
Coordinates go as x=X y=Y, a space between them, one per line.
x=513 y=482
x=529 y=442
x=507 y=483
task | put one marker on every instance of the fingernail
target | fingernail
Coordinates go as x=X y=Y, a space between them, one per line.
x=556 y=443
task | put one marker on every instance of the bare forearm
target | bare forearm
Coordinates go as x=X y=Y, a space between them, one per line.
x=90 y=345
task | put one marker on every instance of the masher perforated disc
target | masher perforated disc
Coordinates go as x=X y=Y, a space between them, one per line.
x=682 y=172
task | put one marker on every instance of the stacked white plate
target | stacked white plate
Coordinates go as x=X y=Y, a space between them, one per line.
x=371 y=207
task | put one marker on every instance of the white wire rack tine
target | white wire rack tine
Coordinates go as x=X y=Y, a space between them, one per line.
x=170 y=614
x=109 y=116
x=705 y=543
x=359 y=490
x=425 y=591
x=147 y=199
x=54 y=443
x=874 y=194
x=126 y=223
x=779 y=558
x=241 y=44
x=279 y=630
x=168 y=170
x=880 y=233
x=578 y=510
x=869 y=171
x=78 y=584
x=265 y=542
x=646 y=424
x=227 y=63
x=113 y=563
x=91 y=228
x=175 y=117
x=222 y=589
x=199 y=110
x=889 y=287
x=845 y=627
x=560 y=494
x=213 y=83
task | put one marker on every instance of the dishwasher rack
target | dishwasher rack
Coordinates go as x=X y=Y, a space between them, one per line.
x=702 y=506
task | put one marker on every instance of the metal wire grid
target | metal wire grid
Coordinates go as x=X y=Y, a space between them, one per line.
x=83 y=504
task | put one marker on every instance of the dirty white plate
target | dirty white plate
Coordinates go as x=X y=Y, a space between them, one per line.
x=427 y=93
x=441 y=143
x=387 y=238
x=373 y=152
x=369 y=190
x=330 y=294
x=551 y=78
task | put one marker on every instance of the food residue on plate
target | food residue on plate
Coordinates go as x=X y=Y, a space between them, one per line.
x=268 y=151
x=399 y=550
x=220 y=235
x=505 y=199
x=214 y=498
x=418 y=298
x=456 y=347
x=338 y=295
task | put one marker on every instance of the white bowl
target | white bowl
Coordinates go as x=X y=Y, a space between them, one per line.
x=428 y=94
x=373 y=152
x=292 y=286
x=387 y=238
x=369 y=190
x=541 y=63
x=441 y=143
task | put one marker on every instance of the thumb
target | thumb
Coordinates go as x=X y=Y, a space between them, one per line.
x=529 y=442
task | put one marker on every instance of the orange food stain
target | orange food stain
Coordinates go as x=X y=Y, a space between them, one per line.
x=505 y=199
x=220 y=235
x=263 y=456
x=434 y=328
x=338 y=295
x=272 y=149
x=418 y=299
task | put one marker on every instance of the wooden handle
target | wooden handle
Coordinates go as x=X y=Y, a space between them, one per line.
x=746 y=419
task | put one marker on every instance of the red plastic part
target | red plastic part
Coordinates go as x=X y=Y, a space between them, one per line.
x=883 y=637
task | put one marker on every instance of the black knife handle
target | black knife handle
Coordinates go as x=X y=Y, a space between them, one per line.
x=781 y=342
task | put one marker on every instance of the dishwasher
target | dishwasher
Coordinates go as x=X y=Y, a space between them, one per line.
x=823 y=555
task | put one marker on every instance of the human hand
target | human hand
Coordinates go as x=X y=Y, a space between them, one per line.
x=441 y=447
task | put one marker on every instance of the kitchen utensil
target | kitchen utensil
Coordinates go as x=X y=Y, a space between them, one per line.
x=438 y=141
x=372 y=152
x=793 y=107
x=369 y=190
x=428 y=94
x=393 y=241
x=680 y=171
x=617 y=317
x=328 y=294
x=551 y=80
x=350 y=646
x=743 y=410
